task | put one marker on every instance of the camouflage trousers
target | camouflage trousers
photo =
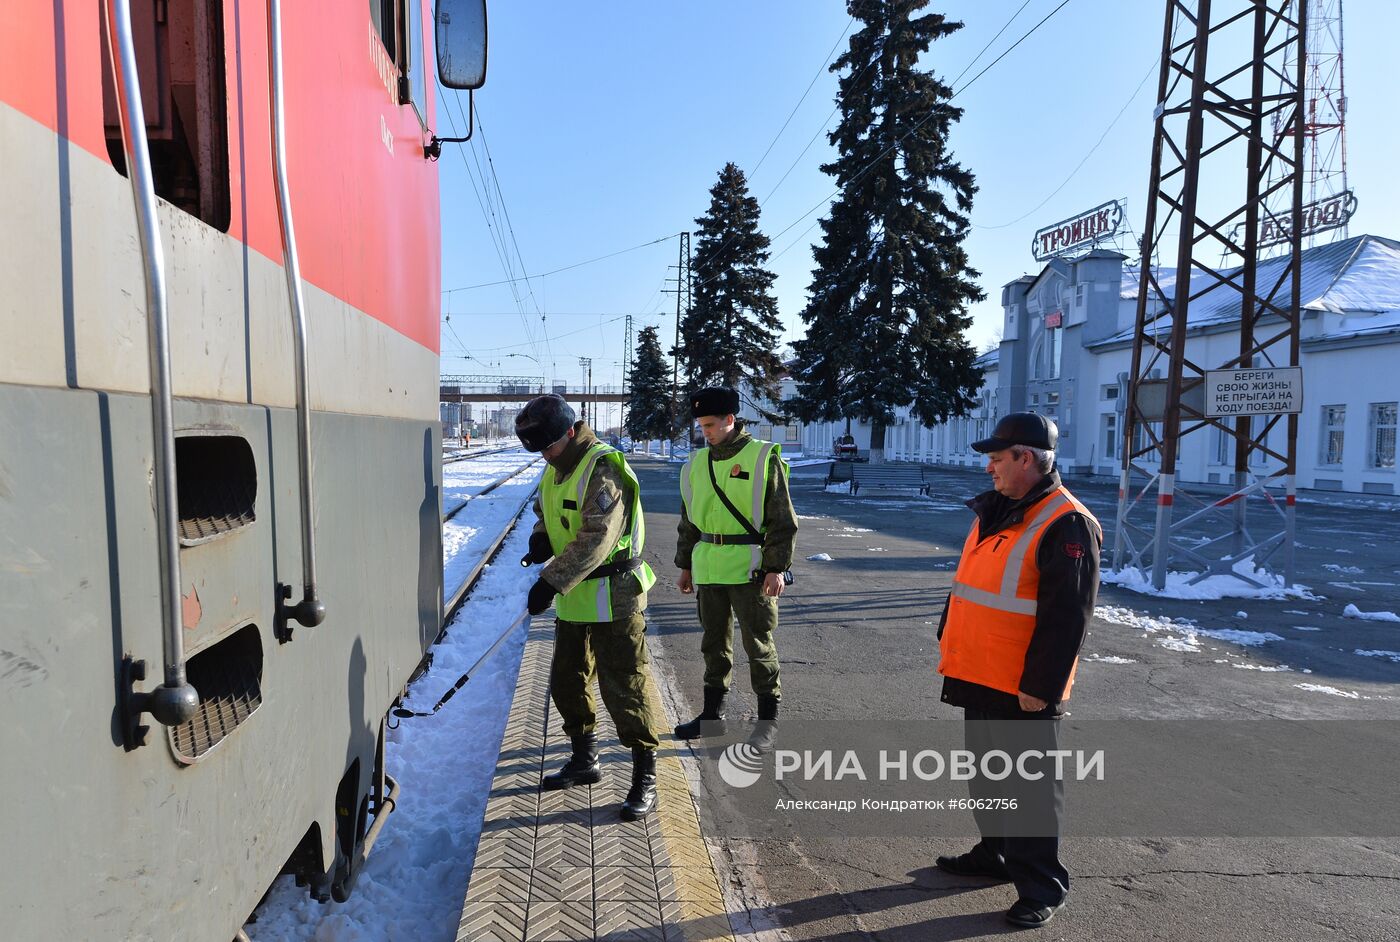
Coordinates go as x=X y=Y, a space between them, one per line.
x=757 y=614
x=616 y=653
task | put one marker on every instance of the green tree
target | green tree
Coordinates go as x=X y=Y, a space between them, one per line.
x=887 y=312
x=730 y=335
x=649 y=405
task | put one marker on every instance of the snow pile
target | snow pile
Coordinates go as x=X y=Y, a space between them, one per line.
x=840 y=487
x=1181 y=634
x=1109 y=659
x=820 y=558
x=1390 y=655
x=1351 y=611
x=413 y=885
x=1180 y=585
x=1344 y=570
x=1332 y=691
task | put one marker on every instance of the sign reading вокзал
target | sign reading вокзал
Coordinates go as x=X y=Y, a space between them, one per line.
x=1270 y=390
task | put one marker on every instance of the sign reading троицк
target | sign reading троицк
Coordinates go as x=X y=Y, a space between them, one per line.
x=1078 y=232
x=1272 y=390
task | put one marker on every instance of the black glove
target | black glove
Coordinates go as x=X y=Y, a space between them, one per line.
x=540 y=550
x=541 y=597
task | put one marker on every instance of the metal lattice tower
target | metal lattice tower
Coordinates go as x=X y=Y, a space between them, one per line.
x=627 y=352
x=1216 y=122
x=1324 y=114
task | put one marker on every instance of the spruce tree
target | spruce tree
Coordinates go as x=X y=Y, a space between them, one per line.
x=886 y=317
x=649 y=406
x=730 y=335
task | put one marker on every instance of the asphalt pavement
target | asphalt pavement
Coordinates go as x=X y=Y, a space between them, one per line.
x=857 y=642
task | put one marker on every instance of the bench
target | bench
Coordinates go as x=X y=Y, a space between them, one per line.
x=889 y=475
x=838 y=472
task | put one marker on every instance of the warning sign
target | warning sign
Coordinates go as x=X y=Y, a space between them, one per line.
x=1257 y=391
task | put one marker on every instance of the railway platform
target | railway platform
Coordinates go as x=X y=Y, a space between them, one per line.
x=562 y=865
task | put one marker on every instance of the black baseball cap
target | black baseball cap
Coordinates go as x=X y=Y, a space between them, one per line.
x=1021 y=428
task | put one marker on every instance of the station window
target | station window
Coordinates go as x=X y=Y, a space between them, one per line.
x=1110 y=437
x=1382 y=450
x=180 y=63
x=1334 y=420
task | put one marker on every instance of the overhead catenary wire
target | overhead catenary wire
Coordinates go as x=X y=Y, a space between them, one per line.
x=554 y=271
x=820 y=69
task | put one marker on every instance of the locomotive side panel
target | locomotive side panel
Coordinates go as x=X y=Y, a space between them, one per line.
x=157 y=842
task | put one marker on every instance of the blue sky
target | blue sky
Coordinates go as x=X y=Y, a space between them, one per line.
x=607 y=124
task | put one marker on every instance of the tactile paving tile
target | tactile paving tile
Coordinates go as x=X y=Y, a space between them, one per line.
x=689 y=884
x=494 y=921
x=688 y=921
x=559 y=922
x=562 y=884
x=505 y=851
x=620 y=921
x=617 y=851
x=632 y=884
x=511 y=884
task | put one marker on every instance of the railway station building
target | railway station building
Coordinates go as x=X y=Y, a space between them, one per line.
x=1066 y=350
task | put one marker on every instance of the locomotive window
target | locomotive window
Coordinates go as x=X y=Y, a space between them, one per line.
x=180 y=62
x=399 y=24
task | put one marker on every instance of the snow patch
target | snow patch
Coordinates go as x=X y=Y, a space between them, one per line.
x=1266 y=668
x=1347 y=570
x=1390 y=655
x=821 y=557
x=1109 y=659
x=1305 y=628
x=1180 y=585
x=840 y=487
x=1331 y=691
x=1351 y=611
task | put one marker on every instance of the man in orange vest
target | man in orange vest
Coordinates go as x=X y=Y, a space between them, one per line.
x=1020 y=605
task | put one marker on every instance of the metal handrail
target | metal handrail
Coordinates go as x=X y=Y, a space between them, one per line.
x=176 y=700
x=310 y=611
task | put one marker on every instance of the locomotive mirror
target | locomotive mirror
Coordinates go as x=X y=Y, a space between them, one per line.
x=460 y=34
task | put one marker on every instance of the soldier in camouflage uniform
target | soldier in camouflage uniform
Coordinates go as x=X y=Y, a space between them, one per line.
x=733 y=557
x=590 y=521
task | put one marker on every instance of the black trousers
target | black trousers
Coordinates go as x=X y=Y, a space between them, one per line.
x=1026 y=840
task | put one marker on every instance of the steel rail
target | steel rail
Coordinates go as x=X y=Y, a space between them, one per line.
x=487 y=489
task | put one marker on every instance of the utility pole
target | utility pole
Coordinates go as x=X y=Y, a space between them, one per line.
x=1212 y=109
x=683 y=300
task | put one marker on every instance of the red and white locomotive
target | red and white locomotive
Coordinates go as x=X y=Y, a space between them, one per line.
x=220 y=535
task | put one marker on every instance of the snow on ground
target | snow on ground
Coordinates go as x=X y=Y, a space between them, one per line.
x=821 y=557
x=1266 y=668
x=1390 y=655
x=413 y=885
x=1109 y=659
x=463 y=480
x=840 y=487
x=1180 y=634
x=1213 y=587
x=1333 y=691
x=1351 y=611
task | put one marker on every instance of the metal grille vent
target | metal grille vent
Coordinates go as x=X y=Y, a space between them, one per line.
x=228 y=677
x=217 y=480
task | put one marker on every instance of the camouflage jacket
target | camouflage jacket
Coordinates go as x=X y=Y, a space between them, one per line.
x=605 y=518
x=779 y=517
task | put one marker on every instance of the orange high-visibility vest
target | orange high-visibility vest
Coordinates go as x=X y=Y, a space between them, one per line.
x=991 y=611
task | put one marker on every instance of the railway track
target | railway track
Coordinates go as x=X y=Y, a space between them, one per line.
x=467 y=456
x=456 y=509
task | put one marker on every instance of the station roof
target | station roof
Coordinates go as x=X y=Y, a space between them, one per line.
x=1359 y=276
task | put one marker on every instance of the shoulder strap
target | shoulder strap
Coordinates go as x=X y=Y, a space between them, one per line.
x=728 y=504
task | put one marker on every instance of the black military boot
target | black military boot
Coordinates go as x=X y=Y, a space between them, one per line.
x=582 y=767
x=710 y=722
x=765 y=731
x=641 y=798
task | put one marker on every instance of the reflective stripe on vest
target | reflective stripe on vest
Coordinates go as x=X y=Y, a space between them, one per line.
x=992 y=606
x=591 y=599
x=727 y=564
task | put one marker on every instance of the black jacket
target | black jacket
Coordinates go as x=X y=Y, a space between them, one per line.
x=1068 y=557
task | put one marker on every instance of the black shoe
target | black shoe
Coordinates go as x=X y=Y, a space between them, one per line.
x=765 y=731
x=641 y=798
x=710 y=722
x=582 y=767
x=1030 y=914
x=973 y=864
